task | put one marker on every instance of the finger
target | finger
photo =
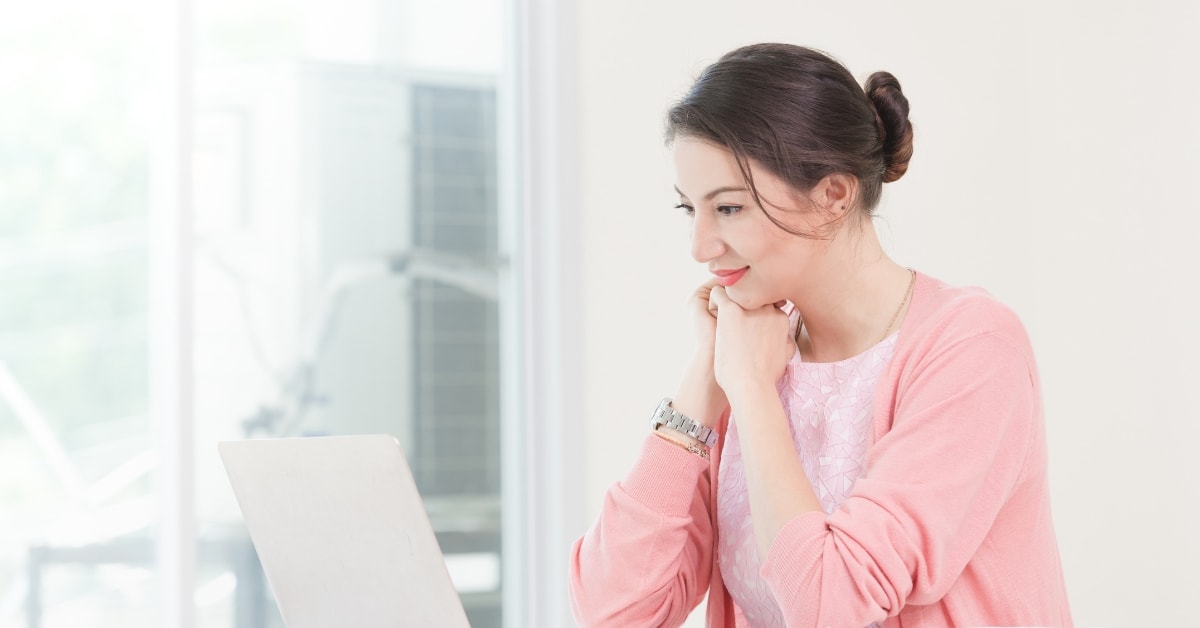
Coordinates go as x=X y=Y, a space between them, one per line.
x=716 y=298
x=704 y=289
x=718 y=294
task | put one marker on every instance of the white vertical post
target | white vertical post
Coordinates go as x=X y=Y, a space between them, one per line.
x=549 y=460
x=170 y=306
x=514 y=496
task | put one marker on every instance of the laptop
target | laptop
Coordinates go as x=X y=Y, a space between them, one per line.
x=341 y=532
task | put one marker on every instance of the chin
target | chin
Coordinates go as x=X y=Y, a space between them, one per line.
x=747 y=301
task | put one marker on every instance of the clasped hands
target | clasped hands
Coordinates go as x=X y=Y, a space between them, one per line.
x=749 y=348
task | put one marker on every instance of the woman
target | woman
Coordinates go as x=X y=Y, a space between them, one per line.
x=854 y=443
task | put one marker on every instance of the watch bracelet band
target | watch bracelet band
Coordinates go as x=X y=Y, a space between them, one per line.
x=665 y=415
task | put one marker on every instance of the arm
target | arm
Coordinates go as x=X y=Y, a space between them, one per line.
x=752 y=351
x=778 y=488
x=933 y=489
x=647 y=560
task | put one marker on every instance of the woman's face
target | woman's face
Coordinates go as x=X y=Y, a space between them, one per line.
x=758 y=262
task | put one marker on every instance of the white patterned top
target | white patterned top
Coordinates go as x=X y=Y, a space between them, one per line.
x=829 y=408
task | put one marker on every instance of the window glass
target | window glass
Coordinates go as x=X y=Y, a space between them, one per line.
x=76 y=458
x=347 y=259
x=345 y=263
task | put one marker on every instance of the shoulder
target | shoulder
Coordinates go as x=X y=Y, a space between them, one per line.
x=943 y=317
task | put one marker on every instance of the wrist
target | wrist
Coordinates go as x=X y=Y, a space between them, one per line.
x=677 y=437
x=690 y=444
x=668 y=417
x=742 y=393
x=698 y=395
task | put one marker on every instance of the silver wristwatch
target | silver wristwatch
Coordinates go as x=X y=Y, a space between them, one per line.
x=664 y=414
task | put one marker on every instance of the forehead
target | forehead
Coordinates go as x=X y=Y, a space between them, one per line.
x=701 y=166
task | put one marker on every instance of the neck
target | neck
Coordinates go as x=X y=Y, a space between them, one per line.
x=848 y=305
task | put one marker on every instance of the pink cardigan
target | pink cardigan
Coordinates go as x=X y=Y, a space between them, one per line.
x=949 y=526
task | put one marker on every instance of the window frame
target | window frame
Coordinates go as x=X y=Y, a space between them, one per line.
x=170 y=304
x=545 y=461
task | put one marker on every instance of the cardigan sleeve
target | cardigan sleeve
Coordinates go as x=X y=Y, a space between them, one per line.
x=933 y=487
x=647 y=560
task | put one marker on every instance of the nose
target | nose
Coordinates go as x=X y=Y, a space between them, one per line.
x=706 y=241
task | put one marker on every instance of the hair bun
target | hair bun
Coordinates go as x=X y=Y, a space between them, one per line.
x=891 y=116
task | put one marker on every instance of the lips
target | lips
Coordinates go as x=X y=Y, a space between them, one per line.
x=729 y=277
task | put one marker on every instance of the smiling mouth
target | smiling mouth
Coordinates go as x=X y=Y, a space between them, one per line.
x=727 y=278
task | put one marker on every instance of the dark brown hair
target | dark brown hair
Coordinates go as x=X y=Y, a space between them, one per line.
x=801 y=115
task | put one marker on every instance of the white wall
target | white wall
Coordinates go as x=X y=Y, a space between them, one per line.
x=1056 y=154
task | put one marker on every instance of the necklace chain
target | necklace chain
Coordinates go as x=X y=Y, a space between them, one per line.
x=907 y=295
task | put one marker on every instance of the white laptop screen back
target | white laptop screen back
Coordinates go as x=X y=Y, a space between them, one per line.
x=341 y=532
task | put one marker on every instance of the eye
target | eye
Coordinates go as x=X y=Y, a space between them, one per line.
x=687 y=209
x=729 y=210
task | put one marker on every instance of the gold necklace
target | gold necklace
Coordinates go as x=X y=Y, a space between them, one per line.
x=912 y=281
x=907 y=295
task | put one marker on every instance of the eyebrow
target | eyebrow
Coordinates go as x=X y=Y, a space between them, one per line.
x=721 y=190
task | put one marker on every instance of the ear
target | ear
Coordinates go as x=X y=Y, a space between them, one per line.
x=835 y=194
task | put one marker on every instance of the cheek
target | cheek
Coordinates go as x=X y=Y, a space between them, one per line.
x=792 y=256
x=778 y=272
x=780 y=262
